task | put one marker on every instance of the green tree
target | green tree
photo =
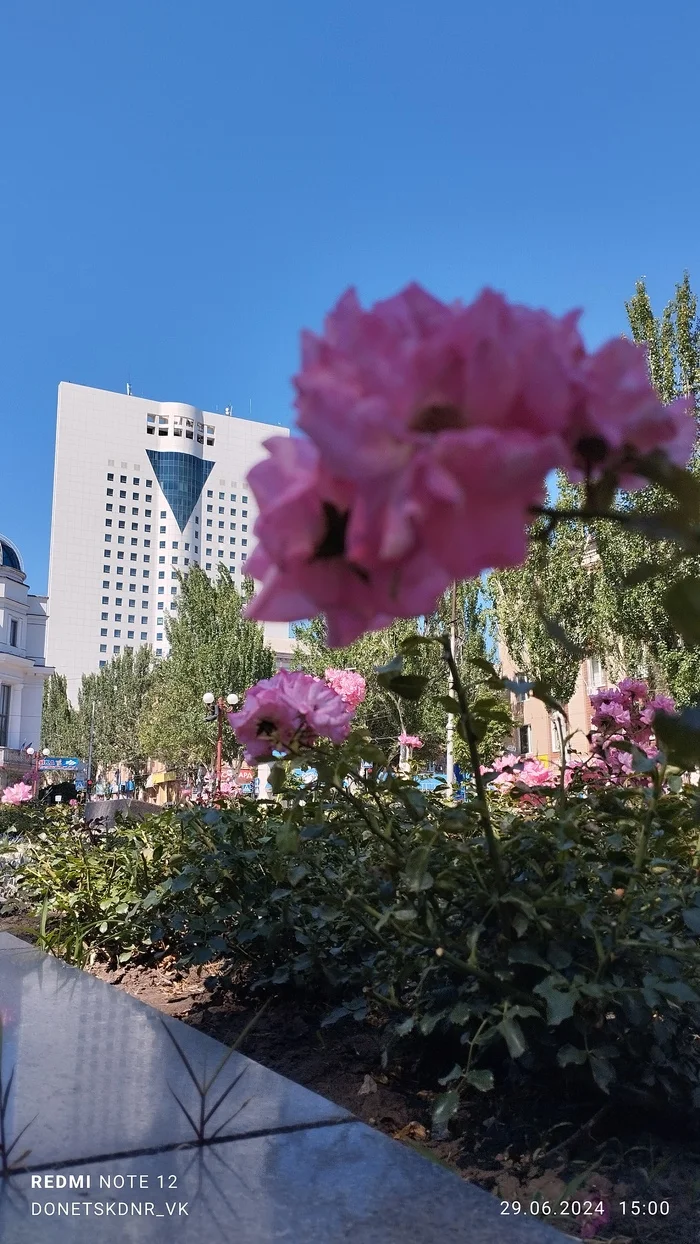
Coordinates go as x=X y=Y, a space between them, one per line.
x=118 y=692
x=59 y=724
x=636 y=572
x=602 y=587
x=555 y=593
x=212 y=648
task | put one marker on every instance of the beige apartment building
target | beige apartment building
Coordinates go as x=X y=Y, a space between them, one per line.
x=536 y=731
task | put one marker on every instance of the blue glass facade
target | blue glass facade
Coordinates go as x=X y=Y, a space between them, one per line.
x=182 y=478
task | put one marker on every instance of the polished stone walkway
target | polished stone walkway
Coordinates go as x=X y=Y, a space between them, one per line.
x=93 y=1074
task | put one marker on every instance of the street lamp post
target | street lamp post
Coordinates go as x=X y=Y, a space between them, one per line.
x=217 y=711
x=35 y=767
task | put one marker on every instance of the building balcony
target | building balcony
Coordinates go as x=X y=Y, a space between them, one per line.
x=13 y=758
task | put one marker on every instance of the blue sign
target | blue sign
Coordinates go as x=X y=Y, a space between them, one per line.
x=70 y=763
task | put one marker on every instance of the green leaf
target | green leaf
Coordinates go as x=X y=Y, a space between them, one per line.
x=682 y=603
x=297 y=873
x=339 y=1012
x=680 y=735
x=461 y=1013
x=481 y=1080
x=560 y=1002
x=449 y=704
x=416 y=869
x=408 y=686
x=691 y=919
x=677 y=990
x=570 y=1054
x=406 y=1026
x=513 y=1035
x=454 y=1074
x=287 y=840
x=445 y=1107
x=603 y=1072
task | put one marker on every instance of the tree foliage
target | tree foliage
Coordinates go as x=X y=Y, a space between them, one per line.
x=58 y=720
x=554 y=593
x=613 y=605
x=212 y=648
x=117 y=692
x=635 y=573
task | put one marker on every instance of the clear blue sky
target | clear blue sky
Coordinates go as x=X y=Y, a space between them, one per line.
x=184 y=186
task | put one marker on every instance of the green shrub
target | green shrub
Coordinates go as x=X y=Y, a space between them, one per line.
x=586 y=962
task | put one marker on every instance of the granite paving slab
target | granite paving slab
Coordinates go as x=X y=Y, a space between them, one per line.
x=93 y=1065
x=339 y=1185
x=9 y=942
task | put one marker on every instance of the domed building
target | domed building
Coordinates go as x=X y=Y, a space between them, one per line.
x=23 y=670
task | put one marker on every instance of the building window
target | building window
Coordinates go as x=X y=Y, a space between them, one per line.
x=244 y=543
x=122 y=509
x=243 y=556
x=596 y=673
x=5 y=693
x=14 y=631
x=105 y=585
x=144 y=621
x=110 y=493
x=524 y=739
x=109 y=507
x=209 y=493
x=559 y=731
x=520 y=696
x=130 y=634
x=134 y=496
x=159 y=652
x=161 y=560
x=102 y=664
x=173 y=561
x=110 y=475
x=244 y=513
x=147 y=557
x=115 y=648
x=144 y=634
x=208 y=566
x=161 y=591
x=244 y=500
x=118 y=599
x=103 y=648
x=161 y=574
x=122 y=479
x=103 y=630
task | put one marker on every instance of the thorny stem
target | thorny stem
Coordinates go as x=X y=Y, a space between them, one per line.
x=484 y=815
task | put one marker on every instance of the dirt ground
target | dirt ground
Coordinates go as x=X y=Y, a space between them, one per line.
x=516 y=1144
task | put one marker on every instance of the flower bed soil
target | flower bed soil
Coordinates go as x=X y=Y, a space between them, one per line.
x=516 y=1144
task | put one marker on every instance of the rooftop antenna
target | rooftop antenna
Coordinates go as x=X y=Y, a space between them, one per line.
x=128 y=389
x=250 y=406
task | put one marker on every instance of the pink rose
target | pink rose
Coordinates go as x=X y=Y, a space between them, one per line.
x=410 y=740
x=348 y=684
x=286 y=712
x=19 y=793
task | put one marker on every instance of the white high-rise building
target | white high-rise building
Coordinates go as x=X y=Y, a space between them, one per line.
x=142 y=490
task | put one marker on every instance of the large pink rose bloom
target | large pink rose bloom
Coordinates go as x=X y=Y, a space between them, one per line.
x=432 y=428
x=288 y=711
x=19 y=793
